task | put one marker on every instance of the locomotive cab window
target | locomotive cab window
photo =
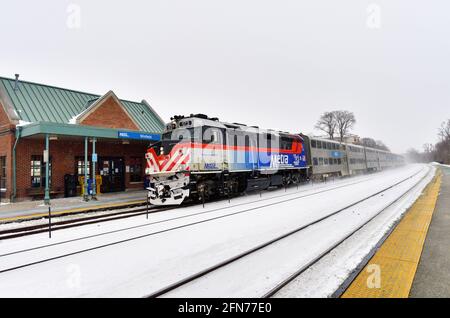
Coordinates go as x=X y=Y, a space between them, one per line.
x=286 y=143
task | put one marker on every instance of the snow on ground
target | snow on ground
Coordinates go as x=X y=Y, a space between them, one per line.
x=259 y=272
x=331 y=271
x=152 y=254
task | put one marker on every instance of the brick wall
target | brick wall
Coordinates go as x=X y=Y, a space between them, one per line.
x=63 y=154
x=110 y=115
x=6 y=140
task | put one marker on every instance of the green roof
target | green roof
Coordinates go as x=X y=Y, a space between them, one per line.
x=34 y=102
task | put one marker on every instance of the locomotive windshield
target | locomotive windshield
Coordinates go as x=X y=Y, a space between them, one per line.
x=170 y=139
x=164 y=147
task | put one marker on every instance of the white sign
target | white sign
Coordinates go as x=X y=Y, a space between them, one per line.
x=45 y=156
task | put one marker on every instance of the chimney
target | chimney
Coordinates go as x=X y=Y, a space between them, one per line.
x=16 y=83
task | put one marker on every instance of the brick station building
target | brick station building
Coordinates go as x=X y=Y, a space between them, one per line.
x=66 y=127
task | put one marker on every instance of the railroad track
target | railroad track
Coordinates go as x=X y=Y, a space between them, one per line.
x=254 y=209
x=66 y=224
x=210 y=270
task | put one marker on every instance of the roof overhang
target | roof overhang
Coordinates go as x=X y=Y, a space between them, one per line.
x=40 y=128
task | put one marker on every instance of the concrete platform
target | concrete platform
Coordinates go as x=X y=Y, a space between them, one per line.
x=30 y=209
x=433 y=273
x=391 y=271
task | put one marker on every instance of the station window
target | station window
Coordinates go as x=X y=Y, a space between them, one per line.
x=2 y=172
x=315 y=162
x=80 y=166
x=136 y=169
x=38 y=167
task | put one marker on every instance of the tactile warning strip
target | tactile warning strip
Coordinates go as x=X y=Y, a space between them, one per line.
x=390 y=272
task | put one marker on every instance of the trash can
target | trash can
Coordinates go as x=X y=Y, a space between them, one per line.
x=89 y=184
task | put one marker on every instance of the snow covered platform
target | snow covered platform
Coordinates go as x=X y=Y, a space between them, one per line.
x=35 y=209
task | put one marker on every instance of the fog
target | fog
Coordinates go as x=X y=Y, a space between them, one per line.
x=275 y=64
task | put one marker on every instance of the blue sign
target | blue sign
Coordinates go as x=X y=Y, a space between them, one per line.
x=139 y=136
x=94 y=157
x=336 y=154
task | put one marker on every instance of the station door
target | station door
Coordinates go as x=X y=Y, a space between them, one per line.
x=112 y=170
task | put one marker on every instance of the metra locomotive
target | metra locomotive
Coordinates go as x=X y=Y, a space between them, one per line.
x=201 y=158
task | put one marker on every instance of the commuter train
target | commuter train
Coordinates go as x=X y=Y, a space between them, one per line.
x=200 y=158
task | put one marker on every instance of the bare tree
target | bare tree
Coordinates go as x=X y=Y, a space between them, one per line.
x=345 y=121
x=428 y=152
x=413 y=155
x=368 y=142
x=327 y=123
x=444 y=130
x=381 y=145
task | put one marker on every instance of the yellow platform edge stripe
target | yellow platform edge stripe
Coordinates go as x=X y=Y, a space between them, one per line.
x=390 y=272
x=81 y=209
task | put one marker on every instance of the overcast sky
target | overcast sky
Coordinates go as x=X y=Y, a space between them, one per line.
x=275 y=64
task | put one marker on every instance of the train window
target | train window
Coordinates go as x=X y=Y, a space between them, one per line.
x=315 y=162
x=286 y=143
x=339 y=161
x=330 y=160
x=319 y=144
x=325 y=161
x=313 y=144
x=321 y=161
x=328 y=145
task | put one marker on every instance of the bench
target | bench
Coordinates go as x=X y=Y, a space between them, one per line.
x=40 y=192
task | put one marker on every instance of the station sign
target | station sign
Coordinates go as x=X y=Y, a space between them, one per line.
x=139 y=136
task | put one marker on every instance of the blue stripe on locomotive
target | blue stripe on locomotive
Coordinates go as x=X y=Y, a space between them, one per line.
x=246 y=160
